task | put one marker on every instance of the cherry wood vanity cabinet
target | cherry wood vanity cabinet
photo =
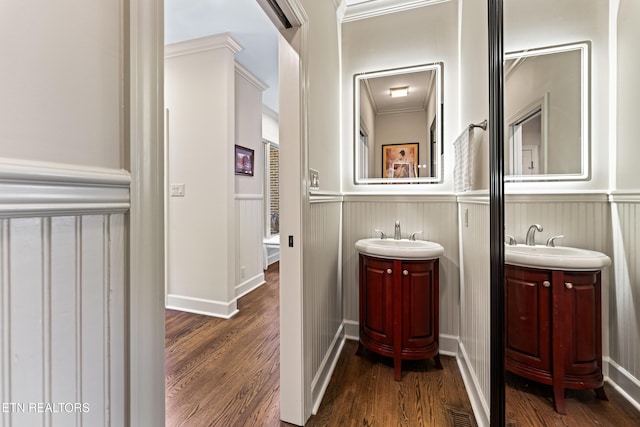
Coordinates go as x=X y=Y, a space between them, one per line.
x=553 y=328
x=399 y=309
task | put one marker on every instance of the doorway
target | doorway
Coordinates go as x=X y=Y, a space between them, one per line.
x=291 y=391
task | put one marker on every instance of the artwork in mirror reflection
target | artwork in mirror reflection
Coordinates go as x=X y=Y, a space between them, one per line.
x=398 y=125
x=546 y=109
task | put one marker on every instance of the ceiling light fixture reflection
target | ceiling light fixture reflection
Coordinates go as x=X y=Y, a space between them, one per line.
x=396 y=92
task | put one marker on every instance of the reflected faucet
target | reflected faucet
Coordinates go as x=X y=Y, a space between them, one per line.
x=531 y=234
x=396 y=234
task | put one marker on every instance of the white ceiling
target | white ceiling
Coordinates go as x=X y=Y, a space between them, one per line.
x=418 y=83
x=249 y=25
x=244 y=19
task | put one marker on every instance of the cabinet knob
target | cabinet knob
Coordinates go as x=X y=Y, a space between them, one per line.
x=405 y=272
x=568 y=285
x=546 y=283
x=389 y=271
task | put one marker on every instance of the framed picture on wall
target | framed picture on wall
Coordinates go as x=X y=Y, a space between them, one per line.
x=400 y=160
x=244 y=161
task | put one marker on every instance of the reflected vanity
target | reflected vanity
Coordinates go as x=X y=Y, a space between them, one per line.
x=546 y=109
x=398 y=125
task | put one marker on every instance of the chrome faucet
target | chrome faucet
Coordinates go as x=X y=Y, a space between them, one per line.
x=396 y=234
x=413 y=235
x=551 y=242
x=531 y=234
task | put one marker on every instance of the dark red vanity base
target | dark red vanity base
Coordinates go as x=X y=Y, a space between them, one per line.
x=554 y=329
x=399 y=309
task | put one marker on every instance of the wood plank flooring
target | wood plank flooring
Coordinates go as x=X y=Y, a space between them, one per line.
x=226 y=373
x=363 y=392
x=530 y=404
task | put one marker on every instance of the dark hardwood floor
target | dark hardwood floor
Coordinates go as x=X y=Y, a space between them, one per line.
x=226 y=373
x=530 y=404
x=363 y=392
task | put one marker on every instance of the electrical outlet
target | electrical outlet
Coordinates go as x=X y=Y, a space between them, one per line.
x=176 y=190
x=466 y=217
x=243 y=272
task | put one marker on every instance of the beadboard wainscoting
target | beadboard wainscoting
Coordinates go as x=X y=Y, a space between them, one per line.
x=624 y=297
x=322 y=293
x=475 y=281
x=436 y=217
x=63 y=240
x=249 y=251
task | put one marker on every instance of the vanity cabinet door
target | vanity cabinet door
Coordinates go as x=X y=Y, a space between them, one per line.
x=581 y=315
x=528 y=313
x=376 y=300
x=419 y=306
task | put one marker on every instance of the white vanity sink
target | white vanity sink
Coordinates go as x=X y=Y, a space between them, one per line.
x=399 y=249
x=555 y=258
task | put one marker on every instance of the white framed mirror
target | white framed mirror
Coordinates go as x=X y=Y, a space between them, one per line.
x=398 y=125
x=546 y=110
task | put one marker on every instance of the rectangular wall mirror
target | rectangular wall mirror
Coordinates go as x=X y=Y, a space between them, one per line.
x=398 y=125
x=546 y=111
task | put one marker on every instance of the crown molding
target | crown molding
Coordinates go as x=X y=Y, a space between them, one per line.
x=248 y=76
x=370 y=9
x=216 y=41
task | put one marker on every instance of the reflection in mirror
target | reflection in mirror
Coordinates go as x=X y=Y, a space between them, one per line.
x=546 y=102
x=398 y=125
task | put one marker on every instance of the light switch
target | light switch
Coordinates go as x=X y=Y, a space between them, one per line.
x=314 y=179
x=177 y=190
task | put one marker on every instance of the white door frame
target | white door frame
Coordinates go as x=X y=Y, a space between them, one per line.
x=146 y=373
x=146 y=238
x=295 y=406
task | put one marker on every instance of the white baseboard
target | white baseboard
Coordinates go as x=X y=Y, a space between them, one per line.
x=273 y=258
x=249 y=285
x=624 y=383
x=321 y=380
x=448 y=345
x=478 y=401
x=221 y=309
x=351 y=330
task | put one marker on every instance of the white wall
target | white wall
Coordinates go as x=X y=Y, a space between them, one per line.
x=56 y=57
x=200 y=97
x=557 y=75
x=64 y=217
x=628 y=102
x=270 y=125
x=249 y=190
x=368 y=122
x=473 y=210
x=399 y=129
x=248 y=128
x=419 y=36
x=323 y=66
x=624 y=299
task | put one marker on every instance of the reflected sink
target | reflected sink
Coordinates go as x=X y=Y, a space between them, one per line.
x=555 y=258
x=399 y=249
